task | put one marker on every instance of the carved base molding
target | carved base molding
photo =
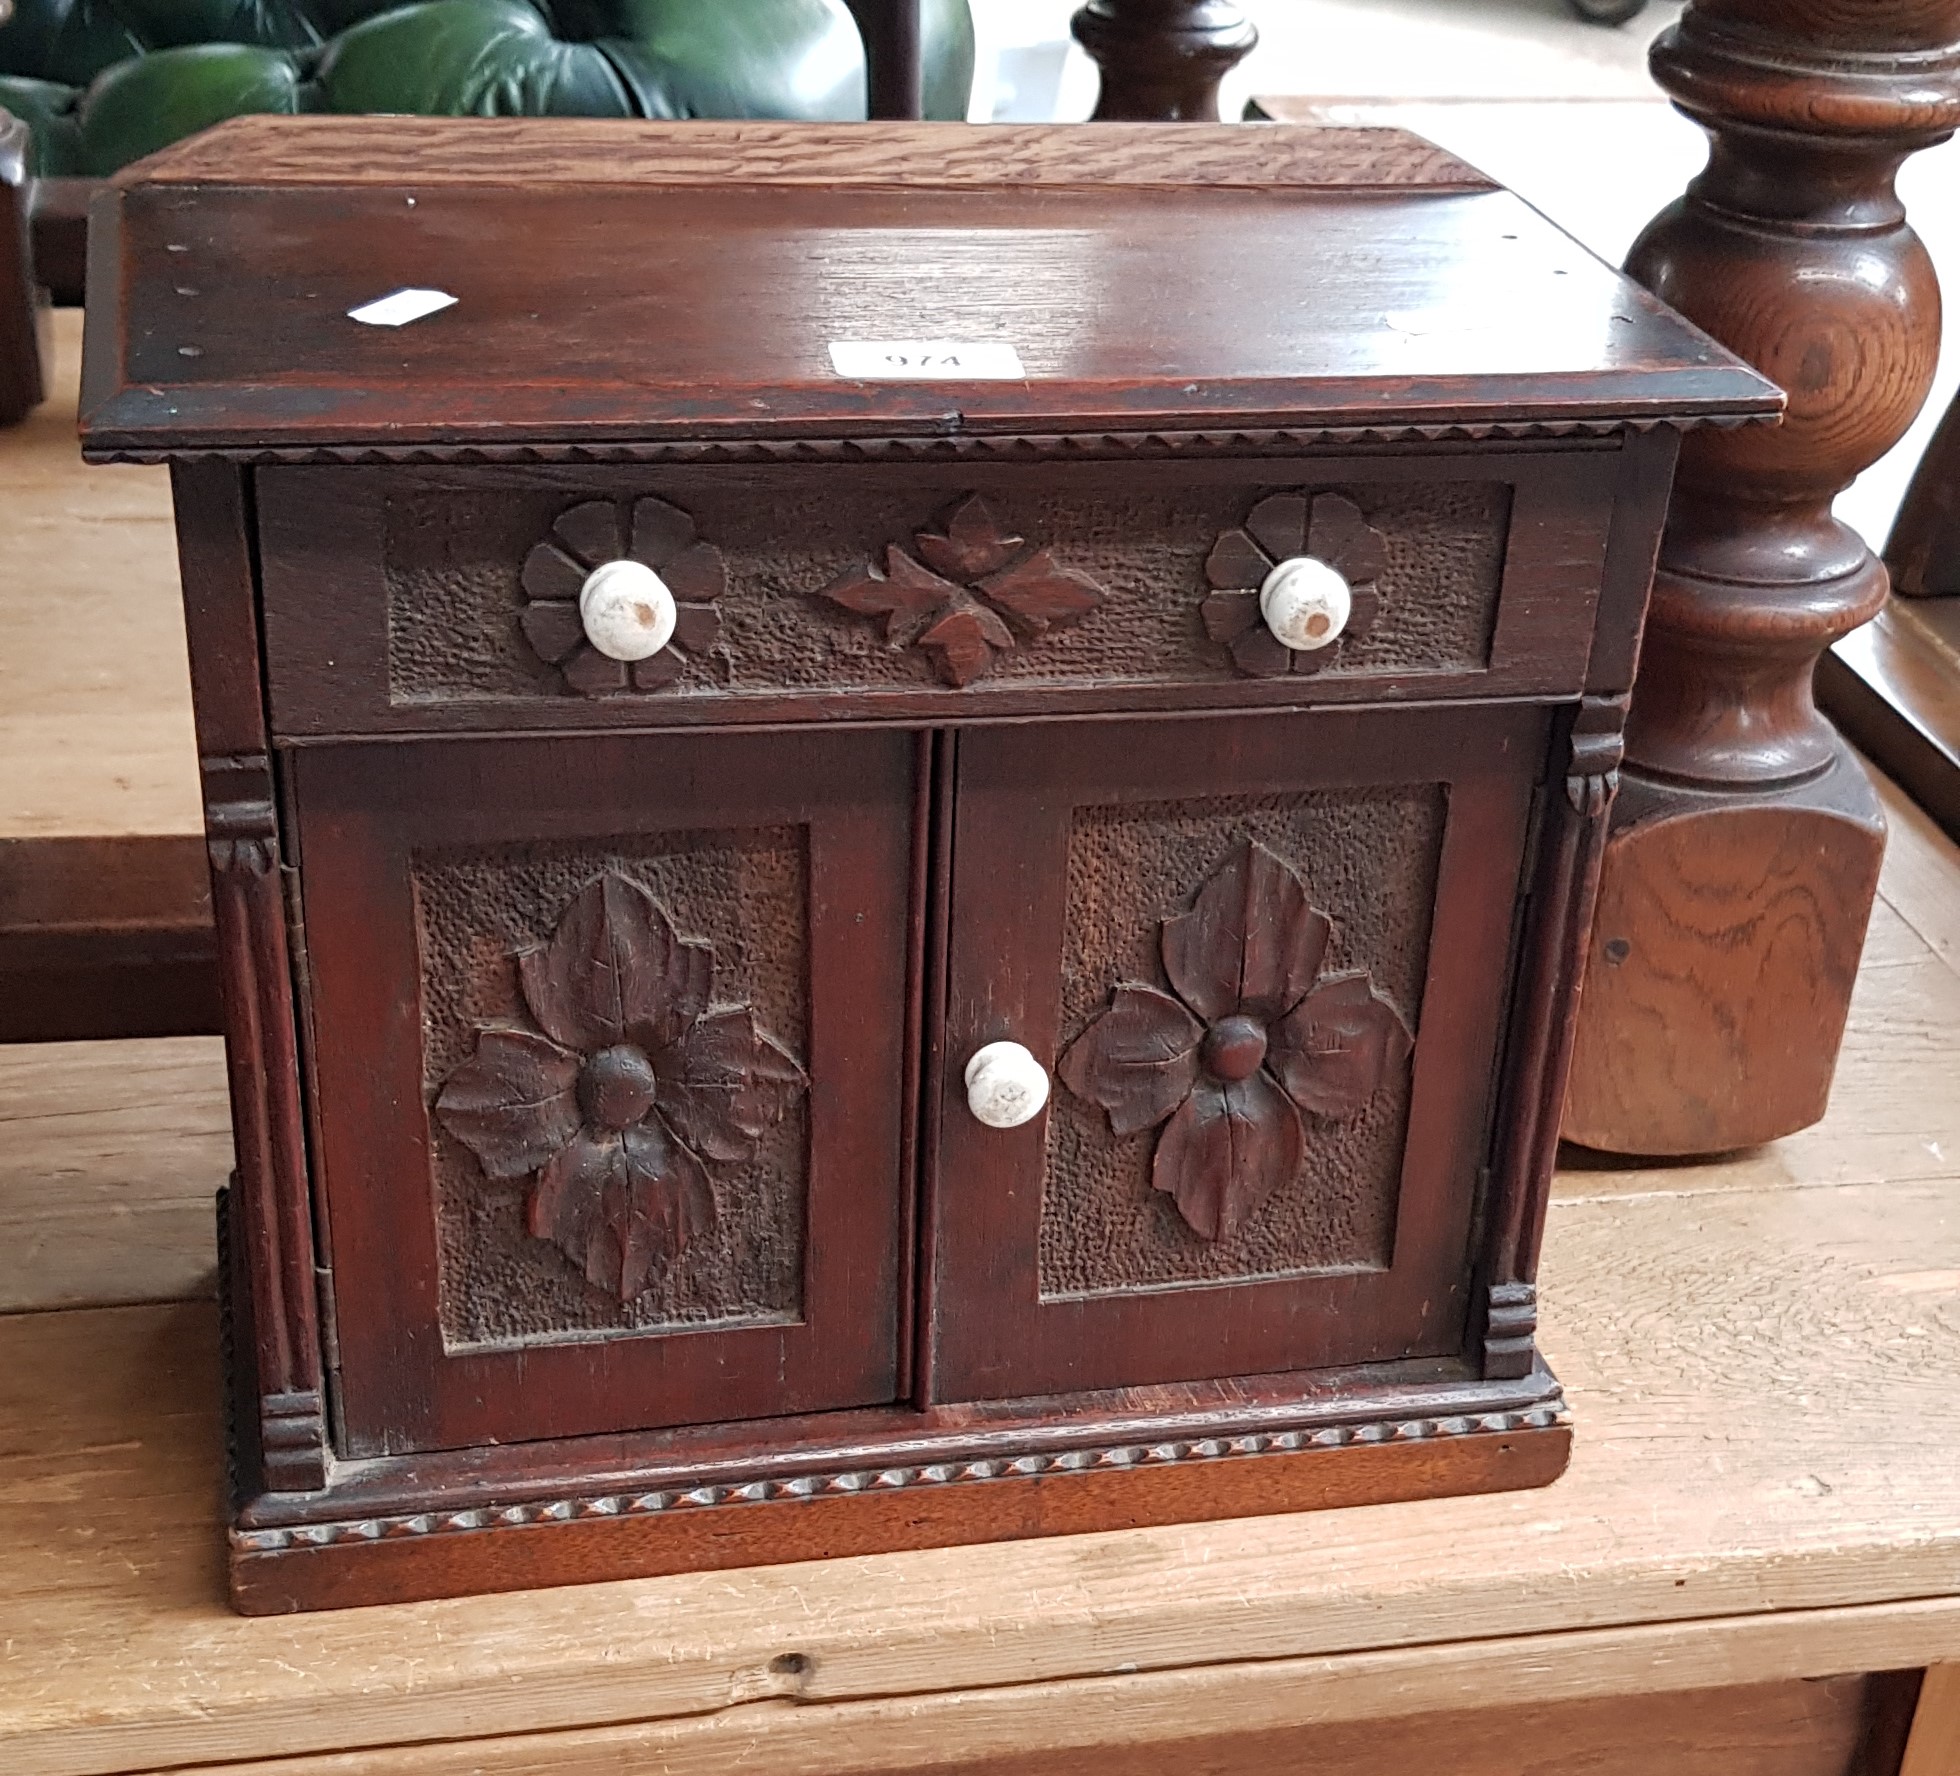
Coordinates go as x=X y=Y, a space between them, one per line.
x=877 y=1480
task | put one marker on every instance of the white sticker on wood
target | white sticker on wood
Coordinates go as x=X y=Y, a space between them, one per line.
x=399 y=307
x=927 y=360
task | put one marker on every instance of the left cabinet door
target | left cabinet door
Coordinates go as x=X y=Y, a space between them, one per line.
x=608 y=1063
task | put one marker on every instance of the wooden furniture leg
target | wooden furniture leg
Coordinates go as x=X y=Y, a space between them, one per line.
x=21 y=384
x=1894 y=686
x=894 y=60
x=1162 y=60
x=1934 y=1748
x=1746 y=840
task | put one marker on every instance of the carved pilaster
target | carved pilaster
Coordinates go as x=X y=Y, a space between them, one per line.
x=1162 y=60
x=1566 y=879
x=1745 y=849
x=274 y=1218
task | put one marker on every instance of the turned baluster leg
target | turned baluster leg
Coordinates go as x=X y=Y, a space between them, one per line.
x=1162 y=60
x=1743 y=859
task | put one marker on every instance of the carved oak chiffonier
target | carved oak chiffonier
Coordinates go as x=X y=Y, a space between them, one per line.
x=901 y=817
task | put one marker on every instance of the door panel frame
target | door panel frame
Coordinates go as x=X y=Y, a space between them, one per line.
x=993 y=1335
x=363 y=810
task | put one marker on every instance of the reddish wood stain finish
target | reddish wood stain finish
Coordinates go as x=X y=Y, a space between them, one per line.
x=609 y=1196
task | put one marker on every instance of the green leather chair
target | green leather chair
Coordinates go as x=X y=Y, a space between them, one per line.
x=104 y=82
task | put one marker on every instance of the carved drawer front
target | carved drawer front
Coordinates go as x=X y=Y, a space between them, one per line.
x=1260 y=966
x=608 y=1078
x=407 y=598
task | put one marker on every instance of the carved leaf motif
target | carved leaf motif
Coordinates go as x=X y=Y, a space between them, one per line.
x=615 y=971
x=591 y=531
x=937 y=606
x=1252 y=941
x=549 y=572
x=963 y=643
x=591 y=672
x=637 y=1083
x=514 y=1103
x=1041 y=595
x=553 y=630
x=903 y=596
x=725 y=1083
x=1335 y=1049
x=1257 y=1037
x=1139 y=1060
x=1279 y=524
x=623 y=1206
x=660 y=533
x=974 y=543
x=1228 y=1148
x=1340 y=535
x=1237 y=562
x=1259 y=653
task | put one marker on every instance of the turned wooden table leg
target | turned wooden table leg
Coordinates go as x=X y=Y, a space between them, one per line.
x=1162 y=60
x=1746 y=840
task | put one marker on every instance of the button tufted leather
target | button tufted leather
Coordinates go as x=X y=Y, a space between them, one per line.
x=103 y=82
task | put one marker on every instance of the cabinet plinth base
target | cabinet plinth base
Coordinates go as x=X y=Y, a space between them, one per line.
x=347 y=1559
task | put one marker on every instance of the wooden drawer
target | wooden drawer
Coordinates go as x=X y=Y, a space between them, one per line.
x=429 y=599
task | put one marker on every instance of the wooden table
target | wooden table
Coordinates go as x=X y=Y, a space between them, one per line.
x=105 y=918
x=1766 y=1489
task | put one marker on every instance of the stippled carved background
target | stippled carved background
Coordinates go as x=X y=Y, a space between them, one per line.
x=746 y=892
x=1369 y=858
x=454 y=553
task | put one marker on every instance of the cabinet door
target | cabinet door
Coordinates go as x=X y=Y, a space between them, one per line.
x=1264 y=960
x=607 y=1052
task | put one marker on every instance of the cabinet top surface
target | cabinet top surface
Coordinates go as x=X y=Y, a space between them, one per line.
x=616 y=283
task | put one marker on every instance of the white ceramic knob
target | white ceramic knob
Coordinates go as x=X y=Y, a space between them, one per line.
x=626 y=610
x=1305 y=602
x=1005 y=1085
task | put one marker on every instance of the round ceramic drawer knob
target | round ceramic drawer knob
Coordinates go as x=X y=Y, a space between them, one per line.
x=1306 y=603
x=1005 y=1085
x=626 y=610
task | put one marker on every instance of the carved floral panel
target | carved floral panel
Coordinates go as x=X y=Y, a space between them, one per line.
x=1327 y=526
x=1253 y=1045
x=970 y=592
x=651 y=532
x=634 y=1090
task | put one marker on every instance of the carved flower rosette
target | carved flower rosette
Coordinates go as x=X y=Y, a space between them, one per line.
x=629 y=1096
x=586 y=536
x=1327 y=526
x=971 y=592
x=1251 y=1040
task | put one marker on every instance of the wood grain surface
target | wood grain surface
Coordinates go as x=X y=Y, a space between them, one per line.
x=1934 y=1748
x=579 y=151
x=111 y=1154
x=1787 y=1728
x=1764 y=1485
x=95 y=704
x=261 y=355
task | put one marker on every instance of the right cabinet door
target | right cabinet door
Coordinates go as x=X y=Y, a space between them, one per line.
x=1265 y=961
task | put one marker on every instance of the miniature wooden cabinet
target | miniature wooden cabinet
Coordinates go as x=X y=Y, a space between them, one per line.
x=833 y=949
